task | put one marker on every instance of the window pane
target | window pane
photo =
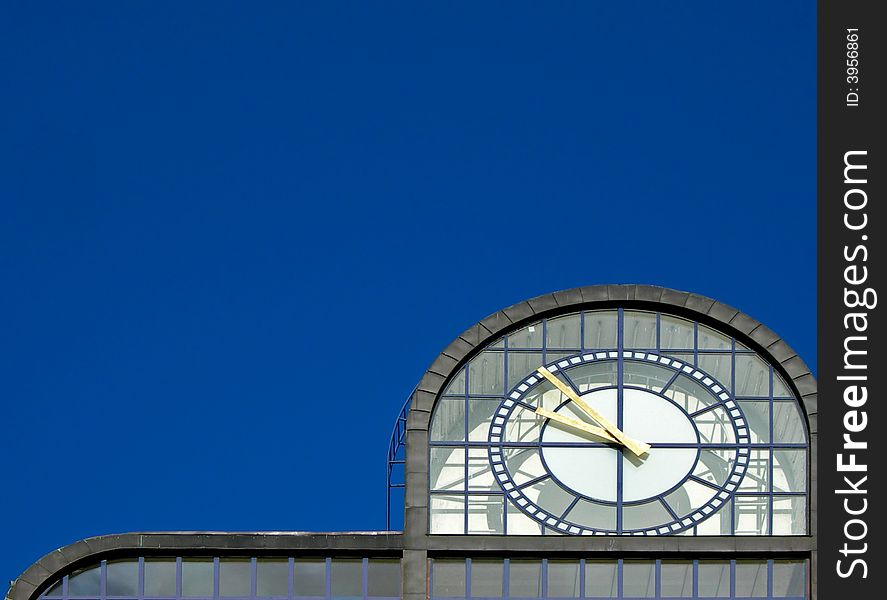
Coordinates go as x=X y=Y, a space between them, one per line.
x=645 y=375
x=757 y=476
x=160 y=578
x=788 y=424
x=601 y=579
x=521 y=364
x=123 y=578
x=563 y=579
x=55 y=590
x=85 y=582
x=486 y=578
x=524 y=578
x=197 y=577
x=447 y=514
x=448 y=424
x=752 y=515
x=485 y=514
x=346 y=578
x=563 y=332
x=480 y=474
x=789 y=470
x=528 y=337
x=383 y=578
x=714 y=579
x=600 y=330
x=448 y=469
x=449 y=578
x=480 y=415
x=752 y=376
x=234 y=577
x=456 y=387
x=309 y=577
x=789 y=578
x=676 y=578
x=639 y=330
x=757 y=414
x=719 y=366
x=486 y=374
x=751 y=578
x=639 y=578
x=789 y=515
x=272 y=577
x=709 y=339
x=676 y=333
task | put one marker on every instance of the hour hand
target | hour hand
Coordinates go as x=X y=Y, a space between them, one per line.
x=639 y=448
x=575 y=423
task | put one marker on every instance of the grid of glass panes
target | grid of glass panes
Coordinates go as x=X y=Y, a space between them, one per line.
x=465 y=497
x=453 y=579
x=193 y=578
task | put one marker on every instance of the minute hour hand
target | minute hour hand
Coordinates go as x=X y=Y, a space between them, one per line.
x=639 y=448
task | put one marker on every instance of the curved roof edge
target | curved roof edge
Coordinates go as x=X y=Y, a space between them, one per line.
x=756 y=335
x=42 y=573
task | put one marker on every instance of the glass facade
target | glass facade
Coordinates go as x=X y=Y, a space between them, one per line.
x=729 y=445
x=243 y=578
x=460 y=578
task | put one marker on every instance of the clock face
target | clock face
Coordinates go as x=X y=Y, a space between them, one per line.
x=563 y=445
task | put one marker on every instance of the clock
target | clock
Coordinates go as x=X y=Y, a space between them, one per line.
x=633 y=443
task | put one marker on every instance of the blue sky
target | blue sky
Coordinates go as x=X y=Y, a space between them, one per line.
x=213 y=209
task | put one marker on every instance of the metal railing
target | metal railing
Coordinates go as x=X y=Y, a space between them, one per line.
x=395 y=475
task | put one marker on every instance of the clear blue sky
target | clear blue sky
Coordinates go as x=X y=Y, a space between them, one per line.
x=205 y=203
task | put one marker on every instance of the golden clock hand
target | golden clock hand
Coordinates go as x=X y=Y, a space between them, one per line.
x=575 y=423
x=639 y=448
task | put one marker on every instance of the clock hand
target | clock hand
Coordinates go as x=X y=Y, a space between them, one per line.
x=575 y=423
x=635 y=446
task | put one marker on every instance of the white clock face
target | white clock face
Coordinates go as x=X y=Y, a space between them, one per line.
x=563 y=454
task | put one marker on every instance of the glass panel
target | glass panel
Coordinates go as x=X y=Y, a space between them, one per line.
x=709 y=339
x=524 y=579
x=197 y=577
x=123 y=578
x=752 y=376
x=593 y=514
x=639 y=330
x=85 y=582
x=447 y=469
x=383 y=578
x=601 y=579
x=715 y=427
x=789 y=579
x=480 y=415
x=595 y=375
x=751 y=515
x=789 y=470
x=448 y=578
x=715 y=465
x=524 y=425
x=524 y=464
x=689 y=497
x=549 y=496
x=234 y=577
x=563 y=332
x=486 y=374
x=719 y=366
x=638 y=579
x=160 y=577
x=457 y=385
x=521 y=524
x=447 y=514
x=520 y=365
x=600 y=330
x=780 y=389
x=788 y=423
x=448 y=424
x=751 y=578
x=645 y=375
x=563 y=579
x=719 y=523
x=486 y=578
x=642 y=516
x=690 y=395
x=676 y=579
x=272 y=577
x=757 y=476
x=485 y=514
x=714 y=579
x=346 y=578
x=55 y=590
x=480 y=474
x=790 y=515
x=676 y=333
x=528 y=337
x=309 y=577
x=757 y=414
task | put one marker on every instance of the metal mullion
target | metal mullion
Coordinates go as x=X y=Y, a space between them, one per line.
x=468 y=578
x=506 y=576
x=582 y=578
x=253 y=577
x=178 y=578
x=465 y=468
x=217 y=568
x=544 y=576
x=290 y=577
x=620 y=345
x=141 y=584
x=364 y=577
x=657 y=578
x=327 y=578
x=772 y=458
x=695 y=578
x=732 y=577
x=769 y=578
x=620 y=588
x=103 y=579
